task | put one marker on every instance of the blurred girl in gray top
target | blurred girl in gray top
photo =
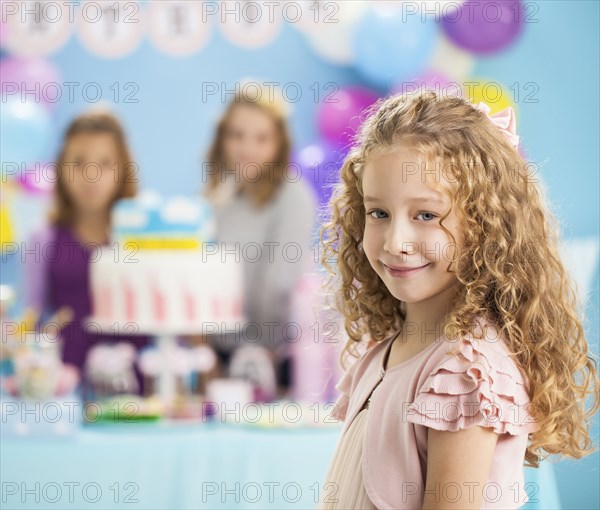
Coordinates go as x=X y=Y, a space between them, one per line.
x=266 y=210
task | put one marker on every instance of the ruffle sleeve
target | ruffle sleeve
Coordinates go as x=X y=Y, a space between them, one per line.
x=481 y=385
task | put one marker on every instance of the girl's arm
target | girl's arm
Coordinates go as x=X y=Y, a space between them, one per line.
x=278 y=276
x=466 y=403
x=458 y=467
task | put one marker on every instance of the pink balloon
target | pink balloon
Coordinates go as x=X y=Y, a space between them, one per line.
x=33 y=74
x=434 y=80
x=340 y=117
x=3 y=30
x=38 y=179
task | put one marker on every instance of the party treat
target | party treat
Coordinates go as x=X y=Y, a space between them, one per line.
x=125 y=408
x=164 y=273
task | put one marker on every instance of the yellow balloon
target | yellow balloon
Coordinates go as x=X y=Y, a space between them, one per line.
x=6 y=231
x=492 y=93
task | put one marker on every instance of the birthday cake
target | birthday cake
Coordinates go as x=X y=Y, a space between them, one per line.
x=163 y=272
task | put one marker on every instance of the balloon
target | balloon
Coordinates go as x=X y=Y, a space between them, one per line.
x=485 y=26
x=26 y=129
x=6 y=229
x=491 y=93
x=436 y=81
x=333 y=41
x=338 y=117
x=391 y=47
x=31 y=74
x=39 y=179
x=320 y=163
x=3 y=32
x=454 y=62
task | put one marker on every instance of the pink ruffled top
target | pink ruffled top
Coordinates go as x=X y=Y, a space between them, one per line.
x=482 y=385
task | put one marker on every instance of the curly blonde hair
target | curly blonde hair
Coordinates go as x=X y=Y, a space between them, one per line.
x=509 y=265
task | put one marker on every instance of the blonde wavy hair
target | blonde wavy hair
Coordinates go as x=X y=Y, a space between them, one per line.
x=509 y=265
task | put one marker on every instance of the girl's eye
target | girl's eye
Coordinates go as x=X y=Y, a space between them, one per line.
x=370 y=213
x=428 y=213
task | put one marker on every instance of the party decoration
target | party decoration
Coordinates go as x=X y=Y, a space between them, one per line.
x=432 y=8
x=390 y=47
x=248 y=24
x=332 y=40
x=18 y=74
x=451 y=60
x=505 y=120
x=38 y=179
x=44 y=30
x=320 y=163
x=340 y=115
x=581 y=259
x=3 y=32
x=432 y=80
x=315 y=353
x=109 y=367
x=26 y=129
x=177 y=27
x=110 y=30
x=492 y=93
x=6 y=230
x=485 y=27
x=252 y=363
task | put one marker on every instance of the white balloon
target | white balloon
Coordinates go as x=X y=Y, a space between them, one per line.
x=455 y=63
x=333 y=41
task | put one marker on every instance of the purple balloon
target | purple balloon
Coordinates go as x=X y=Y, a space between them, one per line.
x=433 y=80
x=320 y=164
x=340 y=117
x=484 y=26
x=34 y=74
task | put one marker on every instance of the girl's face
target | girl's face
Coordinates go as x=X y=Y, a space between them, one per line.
x=402 y=227
x=250 y=141
x=92 y=172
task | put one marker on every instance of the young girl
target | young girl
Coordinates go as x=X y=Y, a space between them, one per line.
x=268 y=213
x=94 y=169
x=450 y=270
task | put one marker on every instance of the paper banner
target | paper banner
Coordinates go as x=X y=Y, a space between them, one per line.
x=177 y=27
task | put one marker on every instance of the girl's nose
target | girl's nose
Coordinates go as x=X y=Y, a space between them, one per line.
x=400 y=238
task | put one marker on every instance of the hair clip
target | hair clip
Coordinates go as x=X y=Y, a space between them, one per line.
x=505 y=120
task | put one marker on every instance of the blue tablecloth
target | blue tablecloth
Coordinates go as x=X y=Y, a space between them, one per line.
x=179 y=466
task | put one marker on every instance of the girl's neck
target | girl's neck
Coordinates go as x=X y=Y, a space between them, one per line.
x=92 y=227
x=425 y=320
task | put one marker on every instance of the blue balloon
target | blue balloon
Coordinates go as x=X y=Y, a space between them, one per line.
x=26 y=127
x=389 y=49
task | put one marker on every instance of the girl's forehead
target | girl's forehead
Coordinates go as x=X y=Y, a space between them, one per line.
x=405 y=166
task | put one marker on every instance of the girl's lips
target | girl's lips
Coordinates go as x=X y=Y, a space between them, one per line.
x=403 y=273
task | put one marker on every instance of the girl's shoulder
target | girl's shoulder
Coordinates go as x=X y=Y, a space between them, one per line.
x=296 y=194
x=475 y=380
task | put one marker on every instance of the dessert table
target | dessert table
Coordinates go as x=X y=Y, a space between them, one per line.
x=179 y=465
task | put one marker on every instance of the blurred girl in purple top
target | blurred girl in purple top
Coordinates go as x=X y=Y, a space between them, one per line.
x=94 y=169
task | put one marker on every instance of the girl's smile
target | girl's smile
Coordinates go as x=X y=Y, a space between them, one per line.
x=405 y=271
